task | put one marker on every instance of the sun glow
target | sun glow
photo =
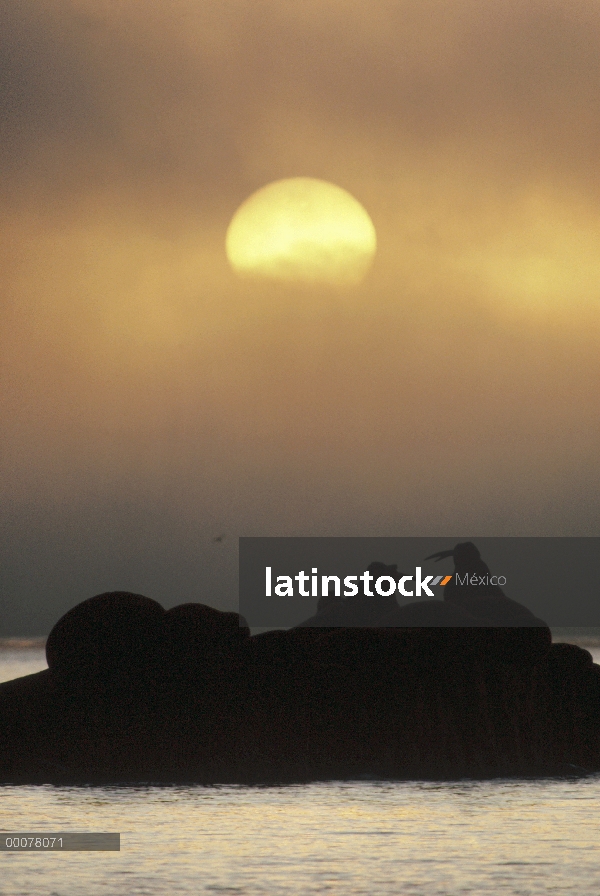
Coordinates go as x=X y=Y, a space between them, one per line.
x=302 y=230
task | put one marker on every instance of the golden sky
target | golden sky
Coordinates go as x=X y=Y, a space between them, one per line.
x=151 y=400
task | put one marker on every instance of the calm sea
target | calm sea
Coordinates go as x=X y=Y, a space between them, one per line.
x=519 y=837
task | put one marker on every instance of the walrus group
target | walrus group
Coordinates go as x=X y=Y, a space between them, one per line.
x=471 y=686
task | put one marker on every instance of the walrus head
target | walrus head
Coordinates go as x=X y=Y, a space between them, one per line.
x=194 y=632
x=466 y=558
x=115 y=630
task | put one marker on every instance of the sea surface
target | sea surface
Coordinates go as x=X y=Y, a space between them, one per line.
x=509 y=836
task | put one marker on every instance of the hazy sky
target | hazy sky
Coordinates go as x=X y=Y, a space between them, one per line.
x=151 y=400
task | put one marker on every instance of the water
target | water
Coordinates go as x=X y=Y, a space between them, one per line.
x=518 y=837
x=17 y=660
x=504 y=837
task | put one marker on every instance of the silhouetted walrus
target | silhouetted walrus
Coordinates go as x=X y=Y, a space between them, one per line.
x=205 y=658
x=478 y=596
x=329 y=602
x=361 y=610
x=201 y=628
x=467 y=562
x=115 y=630
x=429 y=614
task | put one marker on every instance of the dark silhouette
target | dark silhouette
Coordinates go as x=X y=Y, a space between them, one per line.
x=330 y=601
x=360 y=610
x=467 y=563
x=478 y=597
x=116 y=630
x=466 y=686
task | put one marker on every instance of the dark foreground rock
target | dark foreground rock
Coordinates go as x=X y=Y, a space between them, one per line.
x=134 y=693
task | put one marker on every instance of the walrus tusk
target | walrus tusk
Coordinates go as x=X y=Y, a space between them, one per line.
x=441 y=555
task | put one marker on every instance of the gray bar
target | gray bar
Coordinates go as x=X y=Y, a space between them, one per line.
x=58 y=842
x=555 y=578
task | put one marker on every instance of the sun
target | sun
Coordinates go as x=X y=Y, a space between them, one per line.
x=302 y=230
